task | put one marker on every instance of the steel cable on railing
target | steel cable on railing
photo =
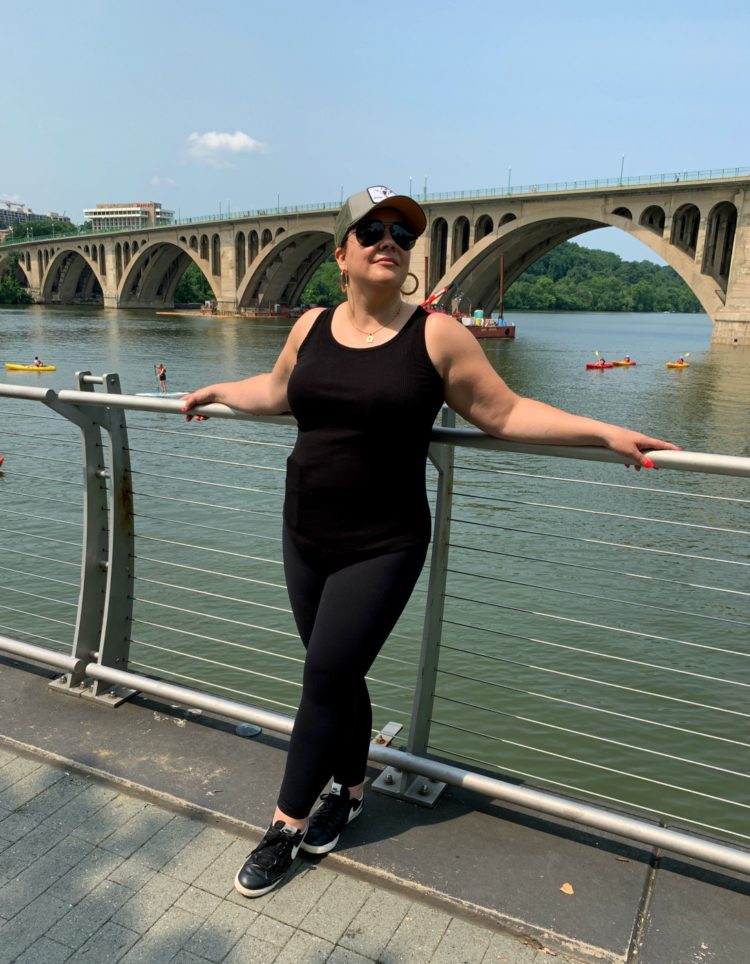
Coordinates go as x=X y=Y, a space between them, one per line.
x=537 y=694
x=601 y=569
x=160 y=672
x=599 y=512
x=202 y=525
x=635 y=489
x=205 y=505
x=214 y=485
x=222 y=552
x=617 y=629
x=579 y=677
x=245 y=647
x=257 y=673
x=35 y=535
x=609 y=599
x=572 y=731
x=599 y=795
x=212 y=572
x=610 y=799
x=202 y=439
x=176 y=456
x=36 y=615
x=29 y=634
x=37 y=558
x=602 y=542
x=213 y=595
x=38 y=575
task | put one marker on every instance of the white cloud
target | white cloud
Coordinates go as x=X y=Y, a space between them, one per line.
x=214 y=147
x=158 y=181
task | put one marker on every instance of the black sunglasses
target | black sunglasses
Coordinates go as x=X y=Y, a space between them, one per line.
x=373 y=232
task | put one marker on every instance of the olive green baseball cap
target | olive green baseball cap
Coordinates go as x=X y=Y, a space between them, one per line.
x=365 y=202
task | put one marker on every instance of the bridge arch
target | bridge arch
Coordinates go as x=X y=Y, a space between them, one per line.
x=438 y=251
x=279 y=273
x=654 y=218
x=71 y=277
x=686 y=224
x=154 y=272
x=460 y=238
x=526 y=239
x=721 y=227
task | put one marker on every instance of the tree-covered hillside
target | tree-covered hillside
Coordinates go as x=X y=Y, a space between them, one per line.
x=573 y=278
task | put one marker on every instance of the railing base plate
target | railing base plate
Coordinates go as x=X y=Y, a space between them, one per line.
x=113 y=696
x=408 y=786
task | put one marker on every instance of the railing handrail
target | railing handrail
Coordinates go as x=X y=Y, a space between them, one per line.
x=682 y=461
x=550 y=187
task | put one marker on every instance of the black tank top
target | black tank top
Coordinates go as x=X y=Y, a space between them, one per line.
x=356 y=478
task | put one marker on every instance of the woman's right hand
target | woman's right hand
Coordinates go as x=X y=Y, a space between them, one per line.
x=201 y=396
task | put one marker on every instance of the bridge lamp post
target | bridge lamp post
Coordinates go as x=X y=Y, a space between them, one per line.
x=425 y=187
x=410 y=194
x=622 y=165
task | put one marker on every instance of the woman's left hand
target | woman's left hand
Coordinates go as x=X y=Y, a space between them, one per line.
x=633 y=445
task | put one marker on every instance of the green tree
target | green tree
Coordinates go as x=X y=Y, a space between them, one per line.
x=11 y=292
x=572 y=278
x=324 y=287
x=193 y=287
x=42 y=229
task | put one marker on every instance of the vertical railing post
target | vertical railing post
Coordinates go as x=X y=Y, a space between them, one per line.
x=90 y=612
x=114 y=642
x=392 y=781
x=105 y=600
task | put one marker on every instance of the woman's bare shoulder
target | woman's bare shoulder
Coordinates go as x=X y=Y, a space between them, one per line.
x=301 y=328
x=446 y=337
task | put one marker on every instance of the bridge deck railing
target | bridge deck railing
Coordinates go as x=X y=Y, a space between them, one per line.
x=551 y=187
x=578 y=643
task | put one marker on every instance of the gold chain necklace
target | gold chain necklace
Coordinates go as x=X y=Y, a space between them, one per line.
x=370 y=335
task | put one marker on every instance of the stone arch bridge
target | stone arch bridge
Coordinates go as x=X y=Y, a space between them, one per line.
x=698 y=225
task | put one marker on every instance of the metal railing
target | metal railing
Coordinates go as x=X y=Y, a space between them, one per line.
x=576 y=640
x=508 y=190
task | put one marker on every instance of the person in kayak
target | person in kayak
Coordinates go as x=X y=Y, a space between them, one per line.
x=365 y=381
x=38 y=363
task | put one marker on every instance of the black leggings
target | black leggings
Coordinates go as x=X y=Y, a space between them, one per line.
x=345 y=610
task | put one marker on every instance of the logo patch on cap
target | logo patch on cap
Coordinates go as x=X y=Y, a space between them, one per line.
x=379 y=193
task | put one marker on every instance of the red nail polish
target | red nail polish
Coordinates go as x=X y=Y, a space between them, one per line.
x=647 y=464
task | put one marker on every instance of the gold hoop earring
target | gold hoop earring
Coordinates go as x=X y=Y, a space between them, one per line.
x=416 y=285
x=344 y=281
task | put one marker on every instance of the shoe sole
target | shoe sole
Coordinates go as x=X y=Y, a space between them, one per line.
x=259 y=892
x=327 y=848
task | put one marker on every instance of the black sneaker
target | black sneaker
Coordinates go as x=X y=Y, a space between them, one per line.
x=326 y=824
x=269 y=863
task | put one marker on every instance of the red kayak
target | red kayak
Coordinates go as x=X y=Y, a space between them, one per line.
x=593 y=365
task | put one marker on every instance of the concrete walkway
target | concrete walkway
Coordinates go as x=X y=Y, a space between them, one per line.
x=89 y=873
x=121 y=831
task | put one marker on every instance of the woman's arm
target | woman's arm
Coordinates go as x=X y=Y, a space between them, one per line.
x=478 y=393
x=260 y=394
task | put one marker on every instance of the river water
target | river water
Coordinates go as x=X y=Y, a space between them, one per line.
x=635 y=683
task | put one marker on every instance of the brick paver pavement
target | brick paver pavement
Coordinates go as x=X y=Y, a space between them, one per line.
x=88 y=873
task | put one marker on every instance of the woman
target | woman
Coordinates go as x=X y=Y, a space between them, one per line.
x=365 y=382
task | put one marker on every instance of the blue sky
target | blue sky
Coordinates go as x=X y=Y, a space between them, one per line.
x=244 y=104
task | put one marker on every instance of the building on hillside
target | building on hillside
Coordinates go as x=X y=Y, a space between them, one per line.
x=12 y=213
x=136 y=214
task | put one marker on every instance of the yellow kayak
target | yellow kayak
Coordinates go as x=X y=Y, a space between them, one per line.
x=677 y=364
x=30 y=368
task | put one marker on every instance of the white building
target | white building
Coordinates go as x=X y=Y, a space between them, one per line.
x=137 y=214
